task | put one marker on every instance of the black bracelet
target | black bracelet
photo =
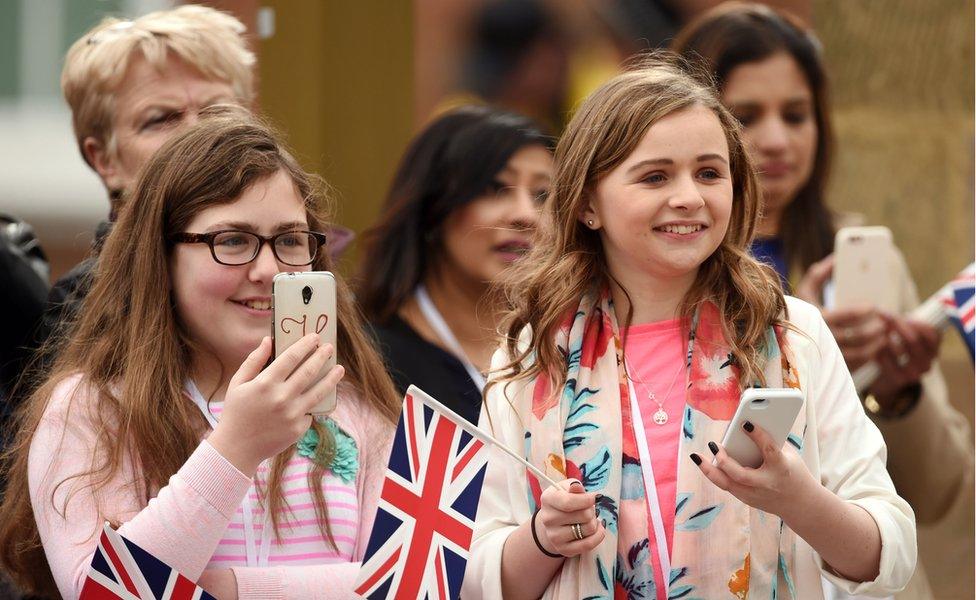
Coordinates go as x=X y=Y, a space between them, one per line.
x=536 y=539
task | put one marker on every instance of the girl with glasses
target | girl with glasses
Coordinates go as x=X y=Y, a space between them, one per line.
x=637 y=320
x=161 y=416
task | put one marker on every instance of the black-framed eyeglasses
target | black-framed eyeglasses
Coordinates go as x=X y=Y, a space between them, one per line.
x=233 y=248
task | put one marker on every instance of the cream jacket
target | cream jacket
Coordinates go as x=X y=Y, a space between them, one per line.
x=842 y=448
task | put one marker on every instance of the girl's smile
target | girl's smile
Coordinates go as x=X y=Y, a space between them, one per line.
x=666 y=208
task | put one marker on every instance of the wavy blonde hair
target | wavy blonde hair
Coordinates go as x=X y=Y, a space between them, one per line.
x=139 y=408
x=206 y=39
x=567 y=261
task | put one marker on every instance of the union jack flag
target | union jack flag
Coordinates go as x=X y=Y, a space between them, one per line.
x=959 y=302
x=419 y=544
x=120 y=569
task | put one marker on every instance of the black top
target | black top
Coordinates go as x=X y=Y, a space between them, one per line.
x=412 y=360
x=68 y=293
x=23 y=279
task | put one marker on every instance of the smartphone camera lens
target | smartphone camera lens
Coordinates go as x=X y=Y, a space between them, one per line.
x=307 y=294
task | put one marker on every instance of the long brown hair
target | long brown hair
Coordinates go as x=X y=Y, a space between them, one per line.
x=139 y=408
x=738 y=33
x=451 y=163
x=568 y=260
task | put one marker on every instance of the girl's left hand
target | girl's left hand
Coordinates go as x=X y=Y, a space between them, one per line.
x=912 y=347
x=780 y=483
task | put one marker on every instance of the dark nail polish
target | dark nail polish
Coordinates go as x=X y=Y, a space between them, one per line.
x=695 y=458
x=713 y=447
x=598 y=498
x=748 y=426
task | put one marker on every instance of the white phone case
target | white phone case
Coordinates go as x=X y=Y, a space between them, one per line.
x=865 y=271
x=305 y=303
x=773 y=409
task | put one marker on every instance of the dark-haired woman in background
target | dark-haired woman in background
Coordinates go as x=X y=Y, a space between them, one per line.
x=770 y=74
x=462 y=208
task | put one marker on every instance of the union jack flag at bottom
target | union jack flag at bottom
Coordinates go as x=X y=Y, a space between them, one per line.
x=419 y=544
x=960 y=304
x=120 y=569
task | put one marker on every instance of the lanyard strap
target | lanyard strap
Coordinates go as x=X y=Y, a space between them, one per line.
x=255 y=557
x=644 y=454
x=444 y=332
x=650 y=487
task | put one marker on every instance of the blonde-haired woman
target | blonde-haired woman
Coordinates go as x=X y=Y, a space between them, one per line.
x=131 y=85
x=637 y=320
x=159 y=415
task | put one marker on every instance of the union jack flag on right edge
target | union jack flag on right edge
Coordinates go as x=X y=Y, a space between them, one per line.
x=959 y=300
x=120 y=569
x=420 y=540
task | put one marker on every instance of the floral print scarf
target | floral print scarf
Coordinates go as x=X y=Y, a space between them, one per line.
x=722 y=547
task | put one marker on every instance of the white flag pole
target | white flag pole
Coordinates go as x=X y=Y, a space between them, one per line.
x=479 y=433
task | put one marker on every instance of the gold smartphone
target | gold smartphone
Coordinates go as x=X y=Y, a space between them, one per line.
x=304 y=303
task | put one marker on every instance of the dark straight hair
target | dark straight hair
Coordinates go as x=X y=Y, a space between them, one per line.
x=737 y=33
x=453 y=161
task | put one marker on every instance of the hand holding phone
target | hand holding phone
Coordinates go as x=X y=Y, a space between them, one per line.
x=259 y=419
x=305 y=303
x=783 y=483
x=773 y=409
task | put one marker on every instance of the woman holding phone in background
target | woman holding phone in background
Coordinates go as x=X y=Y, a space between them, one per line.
x=640 y=298
x=770 y=73
x=173 y=341
x=462 y=208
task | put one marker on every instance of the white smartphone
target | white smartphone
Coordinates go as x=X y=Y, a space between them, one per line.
x=865 y=272
x=773 y=409
x=305 y=303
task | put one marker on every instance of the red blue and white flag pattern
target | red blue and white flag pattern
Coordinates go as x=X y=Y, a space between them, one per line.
x=960 y=304
x=120 y=569
x=420 y=540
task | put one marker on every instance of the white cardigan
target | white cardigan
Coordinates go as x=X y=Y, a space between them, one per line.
x=841 y=447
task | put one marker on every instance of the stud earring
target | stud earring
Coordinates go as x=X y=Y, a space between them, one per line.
x=589 y=222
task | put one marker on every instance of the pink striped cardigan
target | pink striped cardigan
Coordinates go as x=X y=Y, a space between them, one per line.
x=195 y=522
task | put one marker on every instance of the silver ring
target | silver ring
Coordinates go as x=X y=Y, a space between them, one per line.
x=902 y=360
x=577 y=531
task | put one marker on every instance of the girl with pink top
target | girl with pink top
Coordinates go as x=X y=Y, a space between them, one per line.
x=637 y=319
x=161 y=416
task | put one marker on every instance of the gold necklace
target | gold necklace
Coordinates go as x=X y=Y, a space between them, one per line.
x=660 y=416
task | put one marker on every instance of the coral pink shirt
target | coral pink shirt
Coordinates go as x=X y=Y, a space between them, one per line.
x=655 y=354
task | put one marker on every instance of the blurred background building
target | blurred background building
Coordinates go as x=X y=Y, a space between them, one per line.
x=350 y=81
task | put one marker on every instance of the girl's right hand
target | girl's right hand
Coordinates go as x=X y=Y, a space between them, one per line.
x=265 y=411
x=560 y=507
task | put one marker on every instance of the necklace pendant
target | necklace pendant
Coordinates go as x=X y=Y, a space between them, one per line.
x=660 y=417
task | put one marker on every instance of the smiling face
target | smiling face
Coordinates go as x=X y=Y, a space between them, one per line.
x=485 y=236
x=774 y=103
x=228 y=308
x=150 y=106
x=666 y=208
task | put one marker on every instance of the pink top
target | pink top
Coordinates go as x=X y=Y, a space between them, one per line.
x=302 y=542
x=656 y=359
x=195 y=521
